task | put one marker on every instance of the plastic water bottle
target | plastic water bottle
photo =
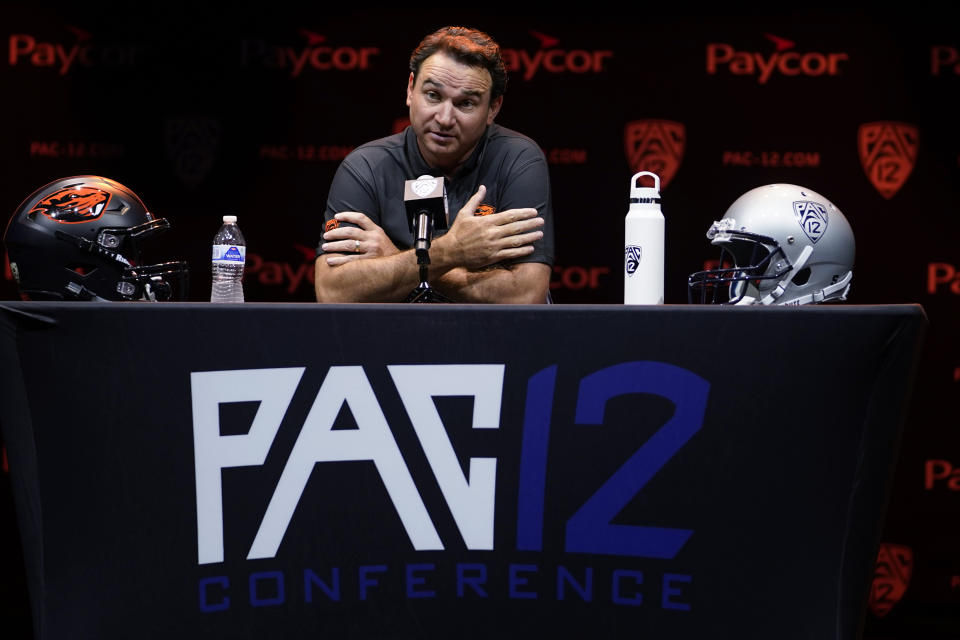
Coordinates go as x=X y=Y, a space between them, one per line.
x=229 y=258
x=643 y=244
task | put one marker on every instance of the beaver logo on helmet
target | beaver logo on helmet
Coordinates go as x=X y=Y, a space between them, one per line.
x=73 y=204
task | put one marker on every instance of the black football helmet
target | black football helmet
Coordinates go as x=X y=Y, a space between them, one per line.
x=79 y=238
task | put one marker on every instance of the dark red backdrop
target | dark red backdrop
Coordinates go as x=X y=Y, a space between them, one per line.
x=250 y=110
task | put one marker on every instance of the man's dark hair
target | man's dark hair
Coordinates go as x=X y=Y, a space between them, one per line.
x=469 y=46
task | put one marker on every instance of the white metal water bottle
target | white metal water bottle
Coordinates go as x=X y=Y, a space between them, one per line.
x=643 y=244
x=229 y=259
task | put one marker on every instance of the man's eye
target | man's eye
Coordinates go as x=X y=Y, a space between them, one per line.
x=432 y=95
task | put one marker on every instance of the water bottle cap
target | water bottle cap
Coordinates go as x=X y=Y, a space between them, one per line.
x=229 y=218
x=645 y=194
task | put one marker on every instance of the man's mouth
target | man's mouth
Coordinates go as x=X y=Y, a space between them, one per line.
x=441 y=137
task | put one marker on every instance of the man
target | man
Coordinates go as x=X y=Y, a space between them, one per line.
x=499 y=245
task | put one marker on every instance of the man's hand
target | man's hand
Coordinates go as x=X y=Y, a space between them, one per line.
x=479 y=241
x=366 y=240
x=457 y=260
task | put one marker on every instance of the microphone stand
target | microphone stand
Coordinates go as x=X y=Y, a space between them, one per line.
x=424 y=292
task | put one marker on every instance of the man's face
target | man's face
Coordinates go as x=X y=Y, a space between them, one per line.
x=449 y=109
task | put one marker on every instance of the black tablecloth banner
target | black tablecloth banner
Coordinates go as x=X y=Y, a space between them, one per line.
x=418 y=471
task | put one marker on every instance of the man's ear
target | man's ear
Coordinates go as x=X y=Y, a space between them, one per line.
x=494 y=109
x=409 y=88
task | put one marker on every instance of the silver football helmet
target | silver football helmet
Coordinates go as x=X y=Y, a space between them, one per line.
x=780 y=244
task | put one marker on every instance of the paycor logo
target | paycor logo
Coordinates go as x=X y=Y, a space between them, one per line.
x=469 y=490
x=941 y=474
x=944 y=60
x=26 y=49
x=317 y=55
x=552 y=59
x=942 y=276
x=783 y=61
x=292 y=276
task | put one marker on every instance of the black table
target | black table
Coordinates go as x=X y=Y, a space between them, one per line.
x=435 y=471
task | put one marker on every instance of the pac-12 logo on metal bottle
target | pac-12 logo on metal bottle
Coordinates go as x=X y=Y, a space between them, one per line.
x=632 y=255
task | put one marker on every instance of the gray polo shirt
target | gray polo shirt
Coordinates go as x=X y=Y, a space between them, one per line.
x=512 y=166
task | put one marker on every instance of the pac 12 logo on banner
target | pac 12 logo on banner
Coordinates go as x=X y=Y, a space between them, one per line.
x=655 y=145
x=470 y=497
x=888 y=151
x=469 y=491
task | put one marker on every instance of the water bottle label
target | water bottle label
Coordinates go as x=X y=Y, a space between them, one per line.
x=632 y=255
x=229 y=253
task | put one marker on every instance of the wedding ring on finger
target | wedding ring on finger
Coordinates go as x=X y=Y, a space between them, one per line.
x=356 y=246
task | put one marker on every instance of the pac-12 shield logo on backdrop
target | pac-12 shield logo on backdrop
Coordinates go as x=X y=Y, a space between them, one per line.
x=192 y=144
x=888 y=151
x=655 y=145
x=73 y=204
x=812 y=218
x=891 y=577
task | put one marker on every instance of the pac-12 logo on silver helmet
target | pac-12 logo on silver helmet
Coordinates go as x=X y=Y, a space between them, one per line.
x=765 y=260
x=812 y=218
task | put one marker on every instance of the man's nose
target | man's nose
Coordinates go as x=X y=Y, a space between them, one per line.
x=445 y=114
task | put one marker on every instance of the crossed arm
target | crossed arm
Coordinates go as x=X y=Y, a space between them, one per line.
x=465 y=263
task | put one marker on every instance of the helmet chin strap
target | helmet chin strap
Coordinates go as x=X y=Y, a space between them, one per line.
x=781 y=287
x=827 y=293
x=80 y=292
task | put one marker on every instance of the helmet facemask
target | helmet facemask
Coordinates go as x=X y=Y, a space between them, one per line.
x=118 y=248
x=749 y=264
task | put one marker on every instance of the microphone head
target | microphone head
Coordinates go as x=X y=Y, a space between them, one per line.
x=426 y=194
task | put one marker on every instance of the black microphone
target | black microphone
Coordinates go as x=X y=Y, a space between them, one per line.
x=426 y=202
